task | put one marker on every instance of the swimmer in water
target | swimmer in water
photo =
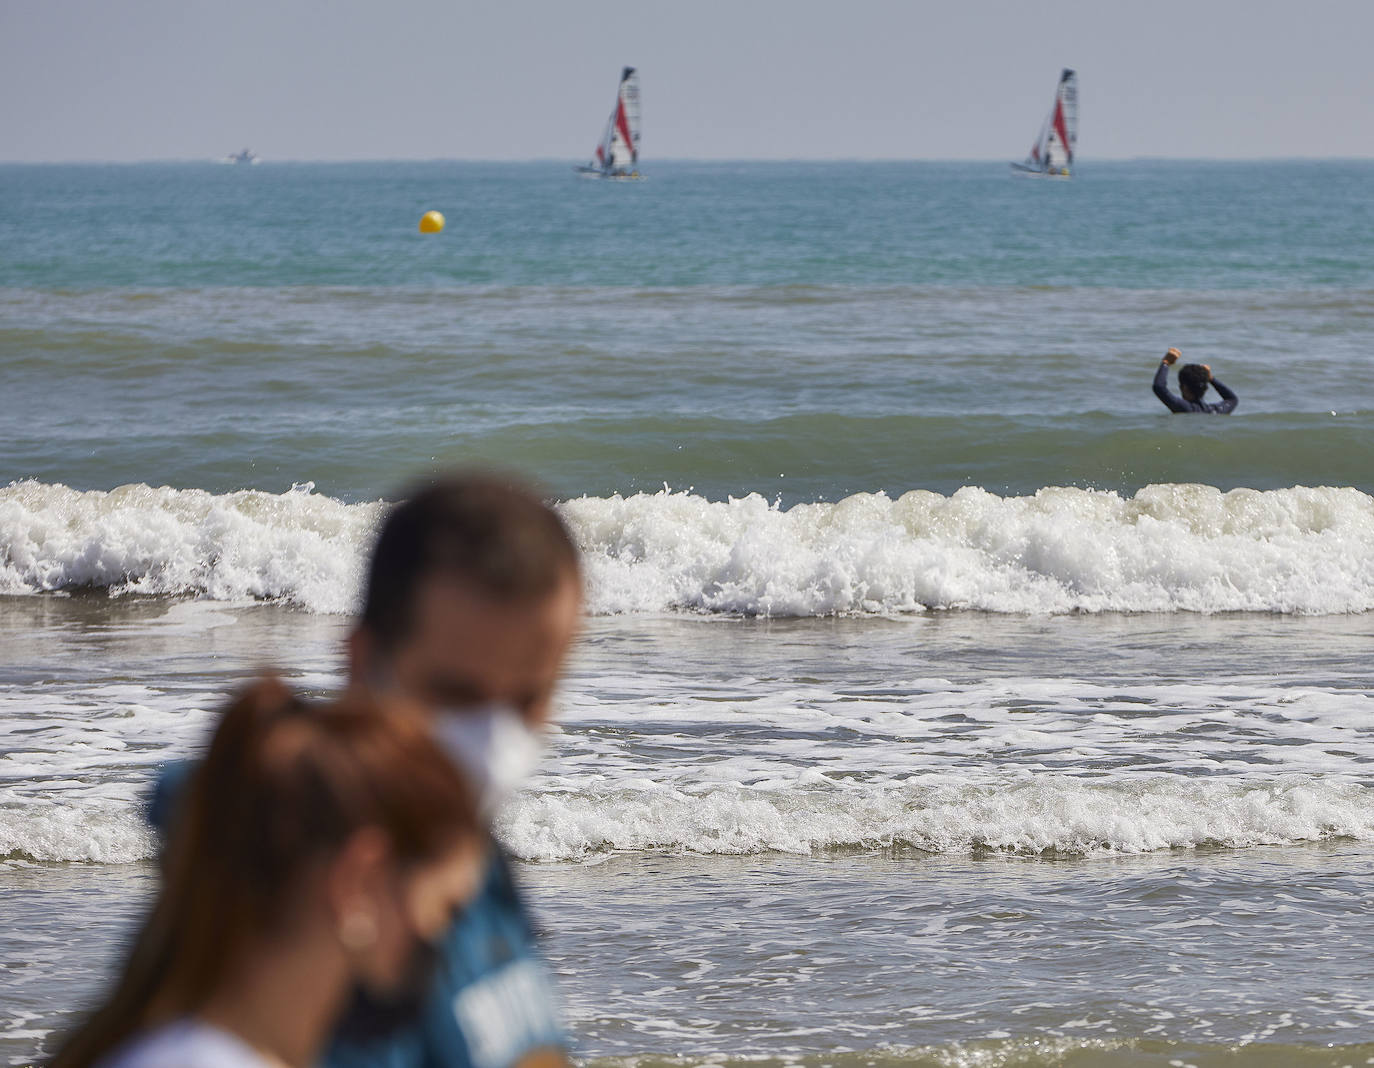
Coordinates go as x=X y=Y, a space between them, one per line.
x=1193 y=380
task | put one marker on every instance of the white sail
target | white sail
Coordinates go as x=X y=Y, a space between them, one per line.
x=625 y=122
x=617 y=153
x=1053 y=152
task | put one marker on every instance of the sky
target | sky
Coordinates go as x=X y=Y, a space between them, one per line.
x=721 y=79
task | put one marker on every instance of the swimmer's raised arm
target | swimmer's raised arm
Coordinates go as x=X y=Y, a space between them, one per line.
x=1228 y=398
x=1161 y=384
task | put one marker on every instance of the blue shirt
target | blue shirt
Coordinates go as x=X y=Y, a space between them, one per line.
x=492 y=1002
x=1175 y=403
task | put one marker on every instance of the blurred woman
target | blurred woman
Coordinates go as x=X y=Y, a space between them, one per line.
x=320 y=852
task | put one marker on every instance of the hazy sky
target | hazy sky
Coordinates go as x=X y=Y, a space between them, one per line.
x=345 y=79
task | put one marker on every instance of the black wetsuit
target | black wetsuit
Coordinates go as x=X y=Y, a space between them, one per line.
x=1176 y=403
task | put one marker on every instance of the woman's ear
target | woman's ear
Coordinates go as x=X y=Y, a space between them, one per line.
x=354 y=884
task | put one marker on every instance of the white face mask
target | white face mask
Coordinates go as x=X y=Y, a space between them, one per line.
x=494 y=748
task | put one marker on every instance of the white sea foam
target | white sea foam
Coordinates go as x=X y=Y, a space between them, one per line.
x=300 y=547
x=773 y=750
x=1167 y=548
x=57 y=830
x=1023 y=765
x=766 y=750
x=1033 y=815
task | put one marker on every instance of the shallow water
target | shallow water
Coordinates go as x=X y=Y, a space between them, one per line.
x=902 y=959
x=1070 y=830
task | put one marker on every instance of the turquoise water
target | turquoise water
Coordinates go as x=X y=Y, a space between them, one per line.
x=801 y=331
x=1156 y=225
x=944 y=700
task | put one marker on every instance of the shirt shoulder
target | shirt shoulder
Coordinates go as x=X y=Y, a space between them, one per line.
x=185 y=1044
x=169 y=787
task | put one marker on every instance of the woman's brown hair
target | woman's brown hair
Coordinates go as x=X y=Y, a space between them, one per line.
x=283 y=787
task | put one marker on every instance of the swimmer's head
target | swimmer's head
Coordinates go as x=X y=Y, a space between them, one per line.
x=1192 y=381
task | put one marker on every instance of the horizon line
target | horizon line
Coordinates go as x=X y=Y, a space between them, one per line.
x=570 y=161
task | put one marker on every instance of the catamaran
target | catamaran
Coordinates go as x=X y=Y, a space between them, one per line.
x=1052 y=154
x=617 y=153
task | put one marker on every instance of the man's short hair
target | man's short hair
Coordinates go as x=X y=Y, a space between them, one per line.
x=1193 y=379
x=485 y=532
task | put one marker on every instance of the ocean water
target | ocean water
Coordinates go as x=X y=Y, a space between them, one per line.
x=942 y=699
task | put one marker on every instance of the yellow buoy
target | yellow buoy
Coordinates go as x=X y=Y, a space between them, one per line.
x=431 y=222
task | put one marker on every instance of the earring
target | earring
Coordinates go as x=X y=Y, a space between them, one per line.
x=357 y=931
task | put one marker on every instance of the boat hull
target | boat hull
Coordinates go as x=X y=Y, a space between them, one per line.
x=600 y=175
x=1030 y=172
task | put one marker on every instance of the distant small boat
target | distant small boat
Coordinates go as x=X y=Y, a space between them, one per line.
x=617 y=154
x=1052 y=154
x=246 y=156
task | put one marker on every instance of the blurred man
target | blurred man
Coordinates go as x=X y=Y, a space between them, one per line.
x=1193 y=380
x=473 y=598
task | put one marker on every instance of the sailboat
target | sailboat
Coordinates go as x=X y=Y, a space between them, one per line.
x=1052 y=154
x=617 y=153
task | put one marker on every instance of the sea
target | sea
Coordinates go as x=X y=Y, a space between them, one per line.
x=942 y=700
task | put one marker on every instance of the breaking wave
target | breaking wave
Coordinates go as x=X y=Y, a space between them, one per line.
x=1034 y=816
x=1167 y=548
x=51 y=830
x=299 y=547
